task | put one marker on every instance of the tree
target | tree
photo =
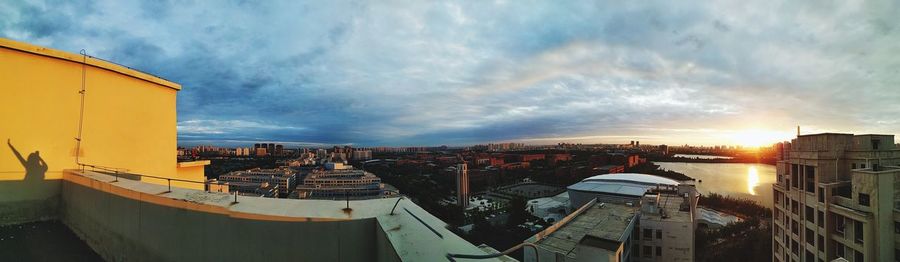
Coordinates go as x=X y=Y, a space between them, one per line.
x=517 y=212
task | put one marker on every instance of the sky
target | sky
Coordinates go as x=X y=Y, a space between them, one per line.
x=400 y=73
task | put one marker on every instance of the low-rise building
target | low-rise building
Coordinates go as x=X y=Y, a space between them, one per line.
x=263 y=189
x=667 y=217
x=340 y=184
x=285 y=178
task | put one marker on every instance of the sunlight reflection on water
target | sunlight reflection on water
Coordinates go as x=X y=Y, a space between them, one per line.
x=752 y=180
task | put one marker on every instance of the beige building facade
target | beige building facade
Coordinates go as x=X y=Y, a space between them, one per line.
x=836 y=197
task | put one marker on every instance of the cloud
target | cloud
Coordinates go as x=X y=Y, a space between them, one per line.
x=401 y=73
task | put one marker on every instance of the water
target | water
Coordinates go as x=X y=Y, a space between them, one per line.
x=750 y=181
x=702 y=156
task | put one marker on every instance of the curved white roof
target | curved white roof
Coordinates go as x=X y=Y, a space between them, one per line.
x=634 y=178
x=623 y=184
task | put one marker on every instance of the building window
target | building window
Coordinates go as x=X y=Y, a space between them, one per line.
x=658 y=234
x=857 y=257
x=795 y=173
x=810 y=236
x=864 y=199
x=821 y=243
x=821 y=195
x=810 y=179
x=839 y=224
x=809 y=256
x=648 y=251
x=794 y=227
x=858 y=231
x=821 y=220
x=794 y=207
x=810 y=214
x=896 y=227
x=838 y=248
x=795 y=247
x=659 y=251
x=862 y=165
x=648 y=233
x=777 y=197
x=635 y=251
x=853 y=166
x=875 y=144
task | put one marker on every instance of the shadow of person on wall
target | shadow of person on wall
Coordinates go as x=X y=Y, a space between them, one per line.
x=35 y=167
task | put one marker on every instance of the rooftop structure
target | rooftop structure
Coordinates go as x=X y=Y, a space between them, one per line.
x=667 y=212
x=615 y=188
x=595 y=232
x=551 y=209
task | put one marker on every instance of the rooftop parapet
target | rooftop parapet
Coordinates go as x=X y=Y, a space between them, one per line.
x=125 y=219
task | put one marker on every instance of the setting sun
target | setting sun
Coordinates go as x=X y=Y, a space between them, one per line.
x=757 y=138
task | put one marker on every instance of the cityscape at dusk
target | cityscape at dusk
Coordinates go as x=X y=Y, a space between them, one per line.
x=450 y=131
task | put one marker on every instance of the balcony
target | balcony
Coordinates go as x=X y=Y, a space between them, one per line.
x=127 y=220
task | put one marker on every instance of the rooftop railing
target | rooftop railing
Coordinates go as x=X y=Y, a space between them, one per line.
x=122 y=172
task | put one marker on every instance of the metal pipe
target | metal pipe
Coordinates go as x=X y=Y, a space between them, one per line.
x=395 y=204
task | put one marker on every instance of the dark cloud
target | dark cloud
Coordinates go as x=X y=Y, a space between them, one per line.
x=456 y=73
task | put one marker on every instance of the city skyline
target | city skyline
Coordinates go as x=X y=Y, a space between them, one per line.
x=463 y=73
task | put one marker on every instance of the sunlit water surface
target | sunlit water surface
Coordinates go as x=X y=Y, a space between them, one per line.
x=751 y=181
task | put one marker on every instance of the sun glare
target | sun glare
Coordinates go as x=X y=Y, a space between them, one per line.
x=752 y=180
x=758 y=138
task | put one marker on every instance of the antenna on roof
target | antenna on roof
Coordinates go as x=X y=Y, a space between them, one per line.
x=798 y=130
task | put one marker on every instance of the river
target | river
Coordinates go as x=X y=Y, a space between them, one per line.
x=751 y=181
x=702 y=156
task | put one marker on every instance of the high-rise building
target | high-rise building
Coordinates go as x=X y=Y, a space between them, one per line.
x=462 y=185
x=261 y=151
x=361 y=155
x=836 y=196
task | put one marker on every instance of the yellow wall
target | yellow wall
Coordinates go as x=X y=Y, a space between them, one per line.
x=129 y=116
x=193 y=171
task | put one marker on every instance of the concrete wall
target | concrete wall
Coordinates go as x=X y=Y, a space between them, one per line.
x=129 y=122
x=123 y=225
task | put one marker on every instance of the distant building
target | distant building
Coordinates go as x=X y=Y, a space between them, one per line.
x=285 y=178
x=261 y=151
x=263 y=189
x=361 y=155
x=462 y=185
x=336 y=166
x=341 y=183
x=836 y=196
x=279 y=150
